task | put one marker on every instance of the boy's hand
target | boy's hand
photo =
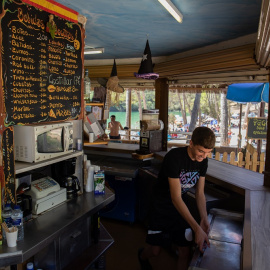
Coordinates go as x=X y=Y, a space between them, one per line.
x=205 y=225
x=201 y=239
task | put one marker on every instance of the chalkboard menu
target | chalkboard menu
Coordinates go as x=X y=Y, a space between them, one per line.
x=257 y=128
x=41 y=65
x=8 y=165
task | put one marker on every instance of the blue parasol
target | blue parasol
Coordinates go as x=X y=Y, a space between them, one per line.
x=248 y=92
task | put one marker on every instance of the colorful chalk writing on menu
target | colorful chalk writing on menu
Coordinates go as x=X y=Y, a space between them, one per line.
x=41 y=65
x=8 y=165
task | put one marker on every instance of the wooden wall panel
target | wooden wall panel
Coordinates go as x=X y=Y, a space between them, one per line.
x=240 y=57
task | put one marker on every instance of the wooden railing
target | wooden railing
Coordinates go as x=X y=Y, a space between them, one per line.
x=248 y=161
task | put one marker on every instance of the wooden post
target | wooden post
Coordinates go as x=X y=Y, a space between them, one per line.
x=225 y=157
x=162 y=100
x=267 y=157
x=240 y=128
x=240 y=158
x=259 y=142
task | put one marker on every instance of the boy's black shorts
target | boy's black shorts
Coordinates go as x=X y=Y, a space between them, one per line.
x=167 y=226
x=180 y=237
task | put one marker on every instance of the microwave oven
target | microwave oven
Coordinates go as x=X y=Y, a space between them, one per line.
x=35 y=143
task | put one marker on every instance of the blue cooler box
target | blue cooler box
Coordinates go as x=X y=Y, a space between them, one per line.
x=124 y=184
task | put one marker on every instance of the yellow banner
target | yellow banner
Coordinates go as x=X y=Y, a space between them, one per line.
x=55 y=8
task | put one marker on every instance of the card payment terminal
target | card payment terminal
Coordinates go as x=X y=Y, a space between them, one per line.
x=42 y=187
x=46 y=193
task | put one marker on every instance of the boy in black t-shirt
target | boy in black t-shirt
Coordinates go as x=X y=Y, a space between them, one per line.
x=171 y=221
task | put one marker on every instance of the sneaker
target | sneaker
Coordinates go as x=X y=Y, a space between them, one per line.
x=145 y=264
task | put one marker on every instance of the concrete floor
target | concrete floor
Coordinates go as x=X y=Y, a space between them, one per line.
x=122 y=255
x=128 y=238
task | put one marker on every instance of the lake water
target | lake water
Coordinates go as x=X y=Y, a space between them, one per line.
x=135 y=118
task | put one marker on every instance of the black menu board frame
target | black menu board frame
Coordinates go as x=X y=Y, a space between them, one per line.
x=8 y=185
x=41 y=65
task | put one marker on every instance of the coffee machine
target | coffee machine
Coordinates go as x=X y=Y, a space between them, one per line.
x=150 y=132
x=63 y=173
x=23 y=184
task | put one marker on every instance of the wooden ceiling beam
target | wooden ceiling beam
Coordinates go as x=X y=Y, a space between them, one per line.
x=234 y=64
x=238 y=73
x=126 y=71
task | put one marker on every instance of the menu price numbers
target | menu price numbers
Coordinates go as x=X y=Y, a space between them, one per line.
x=42 y=63
x=43 y=50
x=43 y=114
x=42 y=73
x=42 y=37
x=74 y=104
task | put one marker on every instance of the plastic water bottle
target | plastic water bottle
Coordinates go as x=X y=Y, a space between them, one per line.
x=6 y=217
x=87 y=86
x=17 y=220
x=30 y=266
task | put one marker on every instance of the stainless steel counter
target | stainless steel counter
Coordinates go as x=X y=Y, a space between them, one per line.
x=43 y=230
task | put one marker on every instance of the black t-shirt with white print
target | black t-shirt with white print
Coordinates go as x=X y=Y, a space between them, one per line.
x=178 y=164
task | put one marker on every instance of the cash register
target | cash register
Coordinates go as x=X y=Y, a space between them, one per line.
x=46 y=193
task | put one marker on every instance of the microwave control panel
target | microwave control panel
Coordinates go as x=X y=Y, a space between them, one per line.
x=70 y=137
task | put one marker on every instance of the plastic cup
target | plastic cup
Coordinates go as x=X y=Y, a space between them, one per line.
x=91 y=137
x=12 y=237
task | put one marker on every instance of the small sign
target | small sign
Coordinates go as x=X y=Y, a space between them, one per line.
x=257 y=128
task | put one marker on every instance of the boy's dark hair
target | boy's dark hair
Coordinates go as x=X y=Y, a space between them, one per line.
x=204 y=137
x=113 y=116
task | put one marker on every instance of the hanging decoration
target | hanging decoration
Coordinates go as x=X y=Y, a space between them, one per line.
x=146 y=67
x=113 y=81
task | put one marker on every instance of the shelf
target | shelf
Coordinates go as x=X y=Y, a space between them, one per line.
x=86 y=143
x=21 y=167
x=94 y=104
x=91 y=254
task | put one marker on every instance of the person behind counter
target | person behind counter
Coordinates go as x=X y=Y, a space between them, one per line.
x=114 y=127
x=171 y=222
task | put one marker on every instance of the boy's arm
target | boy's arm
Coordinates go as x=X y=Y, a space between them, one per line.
x=176 y=196
x=201 y=204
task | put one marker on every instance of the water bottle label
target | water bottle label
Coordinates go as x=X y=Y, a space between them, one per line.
x=8 y=220
x=16 y=222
